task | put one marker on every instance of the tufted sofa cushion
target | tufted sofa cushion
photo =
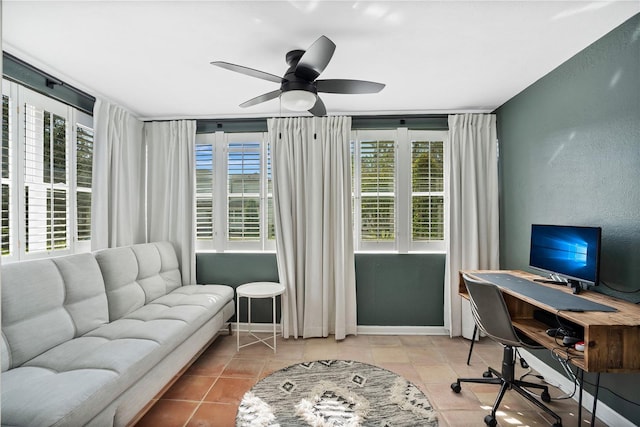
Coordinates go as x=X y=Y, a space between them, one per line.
x=58 y=299
x=136 y=275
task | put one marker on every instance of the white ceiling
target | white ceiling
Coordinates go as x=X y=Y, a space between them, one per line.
x=152 y=57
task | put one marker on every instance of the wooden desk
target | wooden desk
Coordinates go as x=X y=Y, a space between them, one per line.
x=612 y=339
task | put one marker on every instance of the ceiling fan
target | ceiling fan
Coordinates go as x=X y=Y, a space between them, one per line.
x=298 y=87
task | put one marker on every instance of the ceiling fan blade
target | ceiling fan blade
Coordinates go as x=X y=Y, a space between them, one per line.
x=318 y=109
x=348 y=86
x=315 y=59
x=262 y=98
x=248 y=71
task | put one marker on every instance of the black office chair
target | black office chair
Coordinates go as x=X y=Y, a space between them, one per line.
x=492 y=317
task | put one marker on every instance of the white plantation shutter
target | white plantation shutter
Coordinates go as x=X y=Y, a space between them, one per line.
x=427 y=189
x=377 y=191
x=243 y=190
x=7 y=156
x=46 y=176
x=204 y=192
x=84 y=169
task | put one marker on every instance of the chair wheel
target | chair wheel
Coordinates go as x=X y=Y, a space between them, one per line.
x=545 y=397
x=456 y=387
x=487 y=374
x=490 y=421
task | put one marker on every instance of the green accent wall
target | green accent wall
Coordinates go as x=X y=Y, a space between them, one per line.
x=400 y=289
x=570 y=154
x=391 y=289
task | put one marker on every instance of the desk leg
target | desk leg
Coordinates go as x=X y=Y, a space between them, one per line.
x=595 y=401
x=580 y=397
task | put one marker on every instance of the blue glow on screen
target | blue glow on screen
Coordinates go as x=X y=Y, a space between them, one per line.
x=565 y=250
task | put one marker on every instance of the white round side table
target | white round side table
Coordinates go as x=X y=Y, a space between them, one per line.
x=257 y=290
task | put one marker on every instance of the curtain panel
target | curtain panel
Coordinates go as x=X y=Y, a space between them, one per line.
x=118 y=193
x=171 y=193
x=311 y=163
x=143 y=184
x=471 y=228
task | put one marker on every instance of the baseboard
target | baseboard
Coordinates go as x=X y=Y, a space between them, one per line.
x=402 y=330
x=607 y=415
x=362 y=329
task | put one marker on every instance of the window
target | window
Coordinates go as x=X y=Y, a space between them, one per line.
x=7 y=216
x=45 y=180
x=243 y=191
x=234 y=192
x=398 y=182
x=427 y=188
x=84 y=172
x=204 y=192
x=375 y=197
x=47 y=156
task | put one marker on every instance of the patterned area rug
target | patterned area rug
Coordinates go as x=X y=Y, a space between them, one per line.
x=335 y=393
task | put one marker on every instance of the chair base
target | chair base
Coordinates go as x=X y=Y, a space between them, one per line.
x=506 y=380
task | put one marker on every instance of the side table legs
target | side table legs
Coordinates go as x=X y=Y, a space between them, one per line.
x=258 y=339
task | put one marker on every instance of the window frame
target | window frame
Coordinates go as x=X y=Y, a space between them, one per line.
x=86 y=121
x=357 y=138
x=422 y=136
x=220 y=242
x=403 y=242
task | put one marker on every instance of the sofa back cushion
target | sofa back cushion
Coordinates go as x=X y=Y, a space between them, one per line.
x=135 y=275
x=47 y=302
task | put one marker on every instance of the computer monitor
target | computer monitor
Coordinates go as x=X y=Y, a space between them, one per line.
x=566 y=252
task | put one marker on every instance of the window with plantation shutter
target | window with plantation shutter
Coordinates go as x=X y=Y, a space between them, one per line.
x=204 y=192
x=6 y=176
x=45 y=180
x=84 y=173
x=47 y=158
x=398 y=186
x=243 y=178
x=427 y=187
x=377 y=191
x=234 y=203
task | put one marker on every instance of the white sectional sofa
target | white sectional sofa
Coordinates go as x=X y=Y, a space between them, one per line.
x=90 y=339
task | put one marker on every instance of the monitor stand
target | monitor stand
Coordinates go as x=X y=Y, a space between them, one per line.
x=574 y=285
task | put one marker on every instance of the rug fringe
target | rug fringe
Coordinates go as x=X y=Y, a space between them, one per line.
x=254 y=412
x=409 y=398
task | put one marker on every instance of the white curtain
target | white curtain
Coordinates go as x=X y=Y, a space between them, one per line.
x=472 y=233
x=311 y=164
x=118 y=195
x=171 y=189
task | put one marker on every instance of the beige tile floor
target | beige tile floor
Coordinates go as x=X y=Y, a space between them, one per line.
x=209 y=391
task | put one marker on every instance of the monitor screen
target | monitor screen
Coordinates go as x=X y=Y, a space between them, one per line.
x=569 y=251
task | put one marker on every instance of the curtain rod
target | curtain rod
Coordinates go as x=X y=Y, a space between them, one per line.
x=19 y=71
x=414 y=121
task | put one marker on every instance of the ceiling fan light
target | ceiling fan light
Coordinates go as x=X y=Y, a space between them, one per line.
x=298 y=100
